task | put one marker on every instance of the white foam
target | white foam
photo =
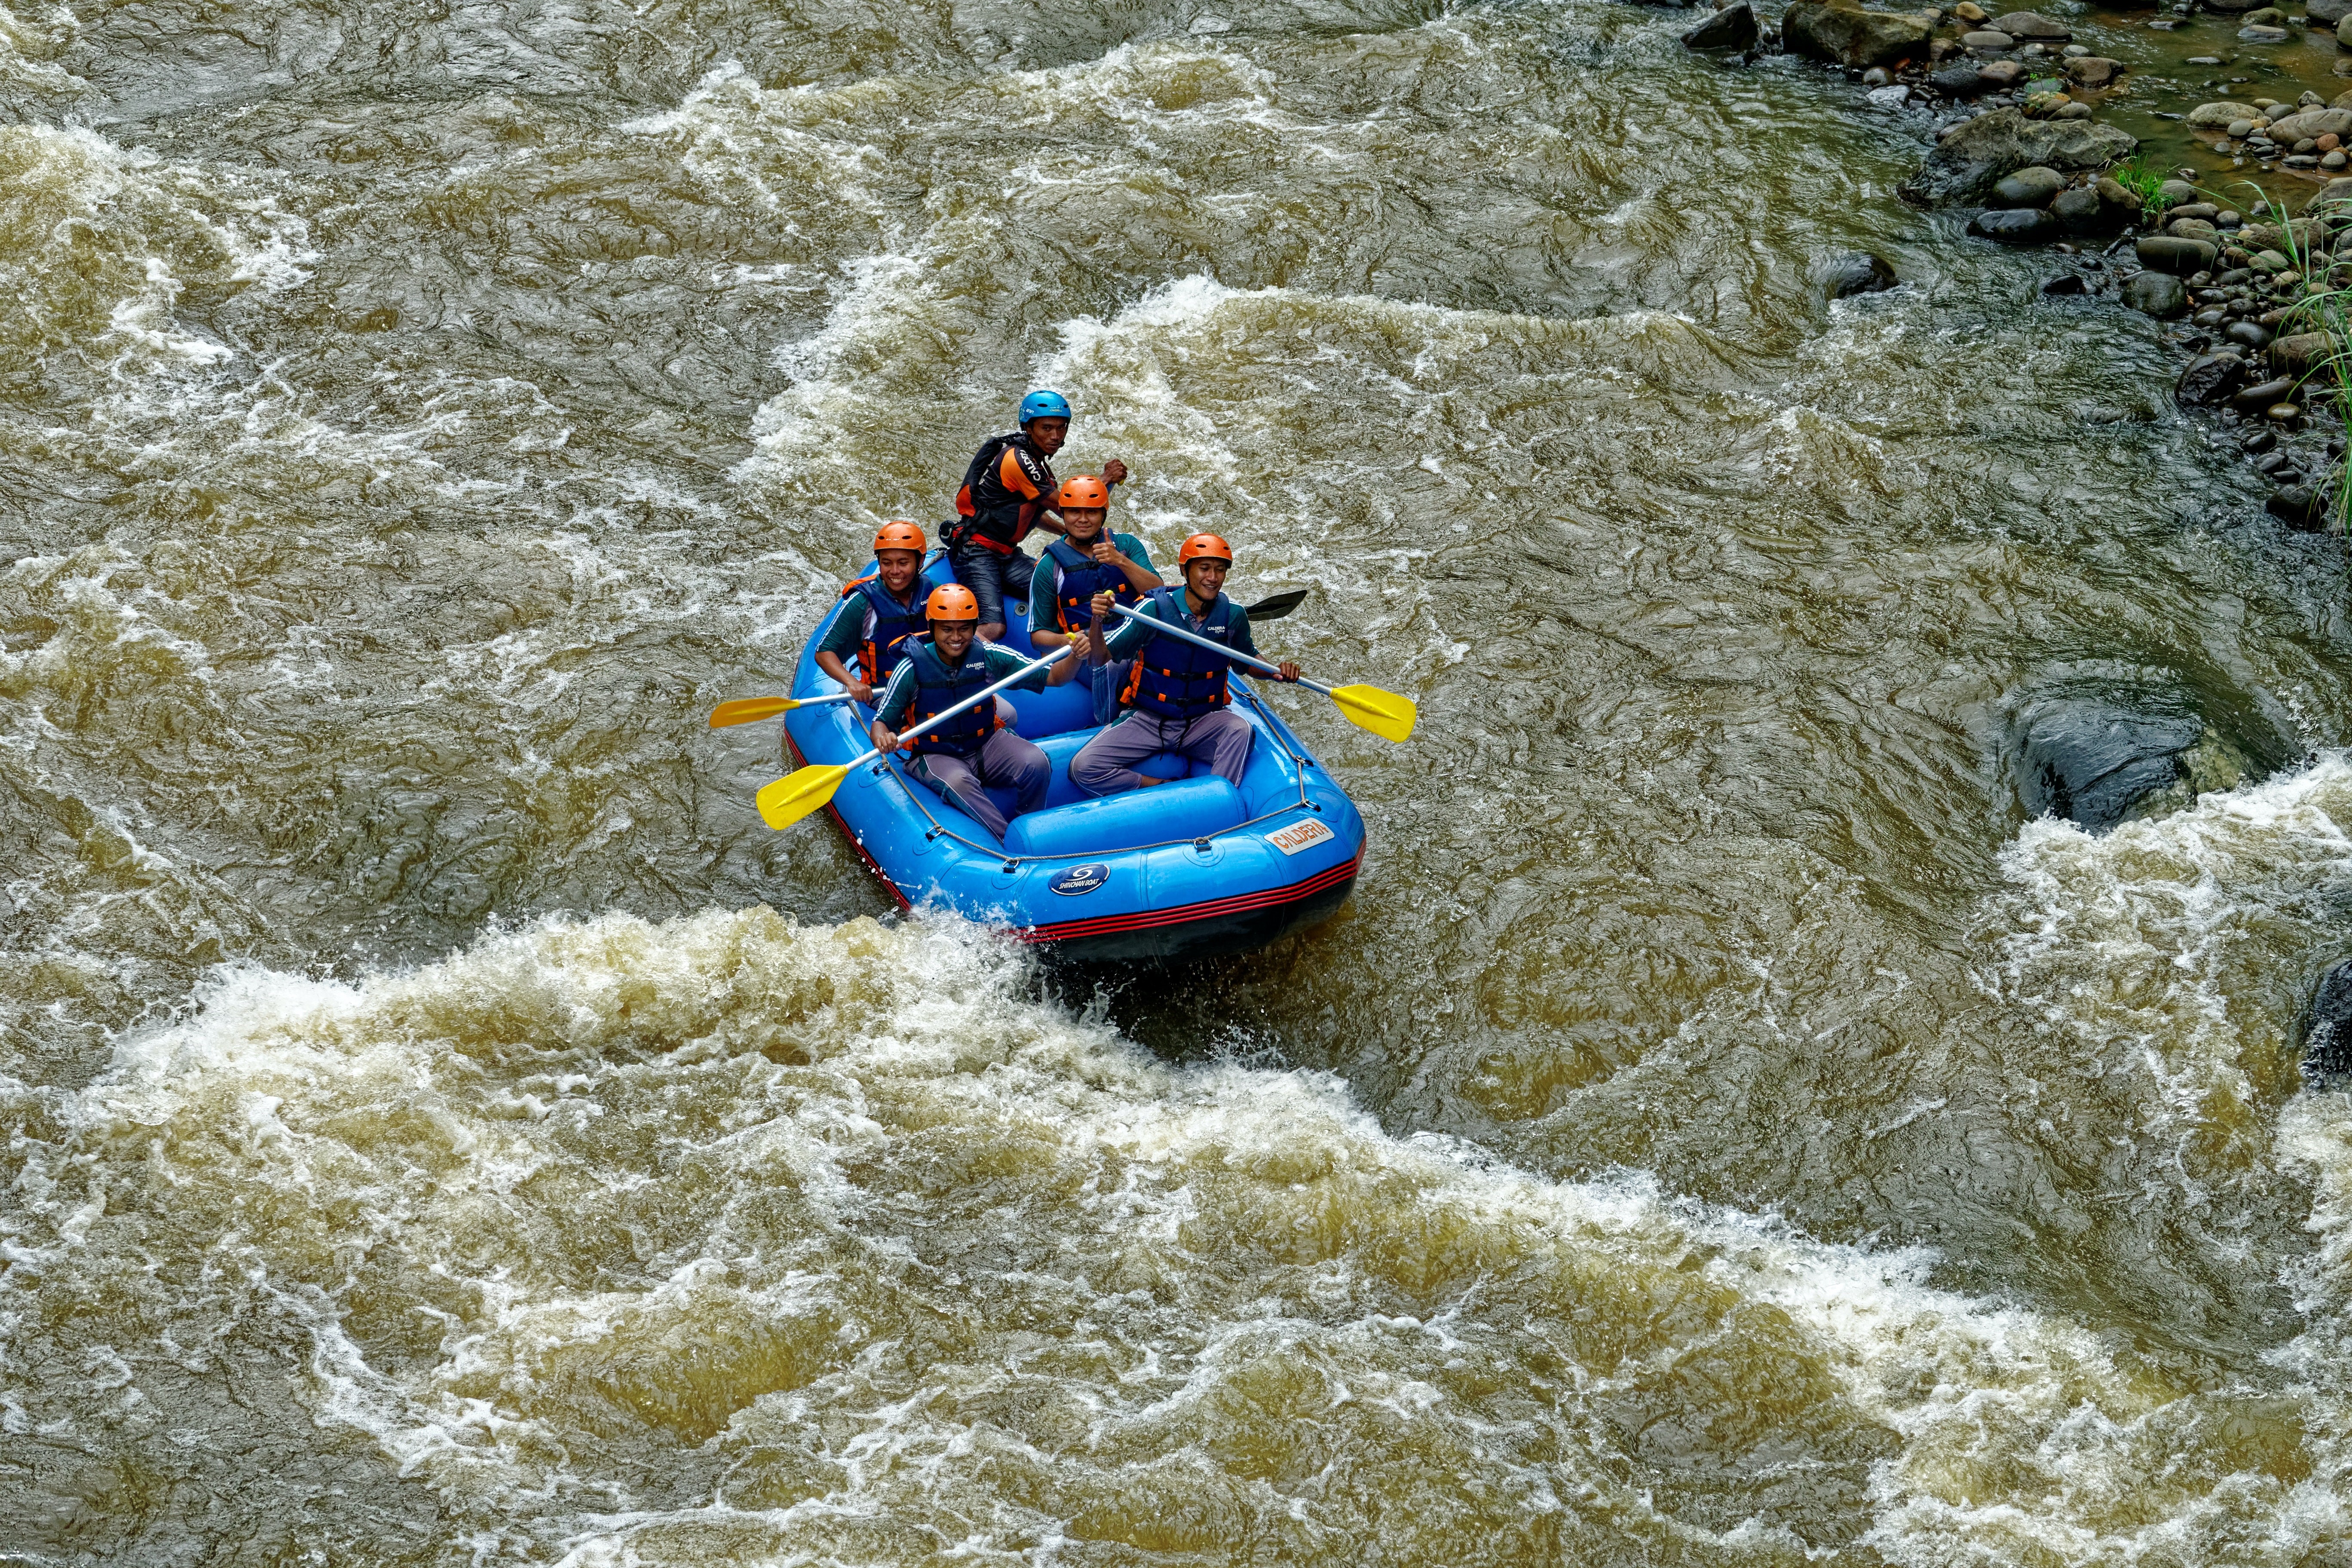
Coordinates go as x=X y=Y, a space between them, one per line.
x=798 y=1119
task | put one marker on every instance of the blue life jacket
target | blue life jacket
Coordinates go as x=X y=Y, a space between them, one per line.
x=894 y=623
x=1174 y=679
x=938 y=688
x=1082 y=578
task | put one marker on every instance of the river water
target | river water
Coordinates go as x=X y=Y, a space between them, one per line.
x=444 y=1126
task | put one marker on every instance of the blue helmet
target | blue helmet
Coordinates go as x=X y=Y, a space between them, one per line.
x=1042 y=404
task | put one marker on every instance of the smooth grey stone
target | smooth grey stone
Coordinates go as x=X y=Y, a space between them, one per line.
x=2030 y=187
x=2157 y=294
x=2091 y=761
x=1859 y=273
x=2163 y=253
x=1733 y=27
x=2014 y=226
x=1965 y=165
x=2328 y=1027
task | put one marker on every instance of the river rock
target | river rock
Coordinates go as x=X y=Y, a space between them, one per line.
x=2299 y=507
x=2030 y=187
x=2299 y=353
x=1986 y=41
x=2014 y=226
x=2194 y=228
x=1858 y=272
x=2311 y=123
x=2210 y=379
x=2262 y=395
x=2121 y=202
x=2081 y=210
x=1958 y=82
x=1846 y=35
x=2217 y=116
x=2157 y=294
x=2096 y=70
x=2329 y=11
x=2091 y=761
x=2031 y=24
x=2000 y=76
x=2342 y=39
x=2163 y=253
x=2327 y=1028
x=1733 y=27
x=1965 y=165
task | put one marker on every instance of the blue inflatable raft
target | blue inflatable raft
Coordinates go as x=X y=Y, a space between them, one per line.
x=1188 y=869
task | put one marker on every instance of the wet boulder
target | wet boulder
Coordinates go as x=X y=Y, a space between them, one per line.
x=2030 y=187
x=1858 y=272
x=2095 y=71
x=1733 y=27
x=1846 y=35
x=2015 y=226
x=2311 y=124
x=2299 y=507
x=2327 y=1029
x=2170 y=253
x=2080 y=211
x=2094 y=761
x=2157 y=294
x=2299 y=353
x=2208 y=379
x=2221 y=116
x=2329 y=11
x=2032 y=26
x=1960 y=81
x=1967 y=163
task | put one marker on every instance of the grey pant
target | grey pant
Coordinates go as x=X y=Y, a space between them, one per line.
x=1106 y=765
x=1004 y=759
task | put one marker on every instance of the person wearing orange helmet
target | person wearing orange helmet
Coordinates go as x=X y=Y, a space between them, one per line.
x=965 y=755
x=1176 y=695
x=888 y=610
x=1008 y=489
x=1084 y=561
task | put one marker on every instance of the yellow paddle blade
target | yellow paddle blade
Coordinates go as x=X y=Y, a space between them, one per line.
x=1384 y=713
x=797 y=793
x=744 y=709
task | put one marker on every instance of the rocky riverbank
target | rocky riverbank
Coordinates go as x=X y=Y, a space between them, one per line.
x=2014 y=103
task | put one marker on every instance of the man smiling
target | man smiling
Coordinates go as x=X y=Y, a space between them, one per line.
x=964 y=755
x=1176 y=695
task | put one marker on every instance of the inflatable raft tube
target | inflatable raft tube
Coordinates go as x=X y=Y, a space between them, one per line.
x=1188 y=869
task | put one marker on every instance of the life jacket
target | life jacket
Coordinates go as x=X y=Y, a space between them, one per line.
x=1082 y=578
x=938 y=688
x=992 y=511
x=893 y=624
x=1174 y=678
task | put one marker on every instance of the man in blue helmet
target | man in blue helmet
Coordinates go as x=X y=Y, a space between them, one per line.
x=1008 y=489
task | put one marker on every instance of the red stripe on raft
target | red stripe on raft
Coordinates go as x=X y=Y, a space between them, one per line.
x=1143 y=919
x=1184 y=914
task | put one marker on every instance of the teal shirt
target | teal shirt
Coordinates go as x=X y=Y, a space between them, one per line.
x=899 y=695
x=1132 y=634
x=1045 y=581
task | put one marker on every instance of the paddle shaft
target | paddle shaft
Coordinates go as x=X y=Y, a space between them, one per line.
x=974 y=701
x=1163 y=629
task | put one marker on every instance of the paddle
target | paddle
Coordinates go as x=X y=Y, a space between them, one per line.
x=744 y=709
x=1384 y=713
x=1274 y=607
x=798 y=793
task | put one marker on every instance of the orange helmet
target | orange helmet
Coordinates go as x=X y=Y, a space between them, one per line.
x=951 y=602
x=1083 y=490
x=1204 y=547
x=900 y=536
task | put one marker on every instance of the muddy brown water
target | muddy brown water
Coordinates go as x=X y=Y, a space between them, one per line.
x=444 y=1126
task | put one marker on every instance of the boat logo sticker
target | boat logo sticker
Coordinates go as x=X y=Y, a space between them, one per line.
x=1080 y=879
x=1298 y=836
